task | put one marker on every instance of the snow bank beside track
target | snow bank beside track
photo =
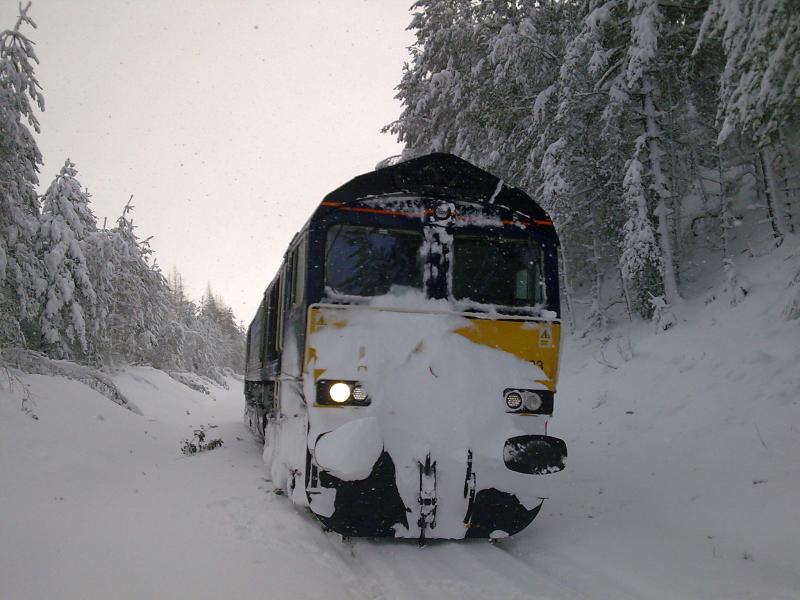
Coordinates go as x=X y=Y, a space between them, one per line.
x=98 y=502
x=684 y=479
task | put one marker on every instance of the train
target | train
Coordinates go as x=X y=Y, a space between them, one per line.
x=401 y=367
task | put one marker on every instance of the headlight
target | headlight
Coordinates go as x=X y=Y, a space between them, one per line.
x=339 y=392
x=529 y=402
x=332 y=392
x=532 y=400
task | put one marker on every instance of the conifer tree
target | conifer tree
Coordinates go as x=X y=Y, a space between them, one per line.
x=132 y=294
x=224 y=336
x=641 y=260
x=760 y=82
x=21 y=280
x=760 y=90
x=642 y=64
x=66 y=223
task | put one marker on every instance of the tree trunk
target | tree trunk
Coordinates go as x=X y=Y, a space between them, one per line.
x=567 y=290
x=597 y=317
x=662 y=192
x=791 y=178
x=625 y=294
x=674 y=187
x=768 y=182
x=724 y=211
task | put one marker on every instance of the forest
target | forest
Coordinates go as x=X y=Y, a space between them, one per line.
x=71 y=288
x=651 y=131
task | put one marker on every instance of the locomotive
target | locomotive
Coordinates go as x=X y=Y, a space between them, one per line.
x=402 y=365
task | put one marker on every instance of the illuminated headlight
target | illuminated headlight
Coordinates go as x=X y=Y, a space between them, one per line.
x=532 y=400
x=335 y=392
x=339 y=392
x=513 y=400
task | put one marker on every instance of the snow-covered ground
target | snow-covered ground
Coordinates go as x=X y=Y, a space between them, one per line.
x=683 y=481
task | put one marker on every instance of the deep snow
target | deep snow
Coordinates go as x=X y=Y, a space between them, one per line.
x=683 y=481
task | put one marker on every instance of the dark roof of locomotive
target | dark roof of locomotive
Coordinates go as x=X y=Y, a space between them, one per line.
x=438 y=175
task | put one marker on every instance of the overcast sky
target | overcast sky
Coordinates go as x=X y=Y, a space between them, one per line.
x=227 y=120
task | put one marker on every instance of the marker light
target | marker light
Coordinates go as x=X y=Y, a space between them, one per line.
x=513 y=400
x=339 y=392
x=359 y=393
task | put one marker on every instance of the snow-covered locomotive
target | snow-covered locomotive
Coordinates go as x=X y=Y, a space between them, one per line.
x=402 y=364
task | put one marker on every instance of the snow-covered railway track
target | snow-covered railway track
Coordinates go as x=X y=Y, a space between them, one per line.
x=356 y=575
x=573 y=579
x=396 y=569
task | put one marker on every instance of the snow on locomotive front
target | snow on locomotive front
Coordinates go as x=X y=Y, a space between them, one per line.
x=428 y=359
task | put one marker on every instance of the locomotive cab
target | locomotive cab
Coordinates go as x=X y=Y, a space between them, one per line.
x=403 y=364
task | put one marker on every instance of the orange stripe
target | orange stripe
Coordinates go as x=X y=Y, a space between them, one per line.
x=379 y=211
x=376 y=211
x=528 y=223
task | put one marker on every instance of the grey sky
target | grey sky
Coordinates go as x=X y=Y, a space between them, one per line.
x=227 y=120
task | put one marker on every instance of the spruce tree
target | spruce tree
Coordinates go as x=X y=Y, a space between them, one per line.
x=70 y=299
x=760 y=82
x=21 y=278
x=132 y=294
x=640 y=262
x=760 y=91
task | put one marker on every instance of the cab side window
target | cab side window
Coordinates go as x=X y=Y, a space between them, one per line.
x=298 y=262
x=280 y=310
x=271 y=339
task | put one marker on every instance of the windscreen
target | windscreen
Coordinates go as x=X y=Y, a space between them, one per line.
x=505 y=272
x=365 y=261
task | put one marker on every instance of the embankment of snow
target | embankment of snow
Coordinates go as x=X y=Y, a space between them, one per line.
x=34 y=363
x=99 y=502
x=683 y=476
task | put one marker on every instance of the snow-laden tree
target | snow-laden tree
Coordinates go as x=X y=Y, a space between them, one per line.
x=171 y=352
x=641 y=259
x=600 y=110
x=434 y=86
x=760 y=91
x=225 y=337
x=21 y=280
x=203 y=339
x=589 y=227
x=132 y=294
x=70 y=299
x=760 y=85
x=186 y=343
x=526 y=50
x=641 y=79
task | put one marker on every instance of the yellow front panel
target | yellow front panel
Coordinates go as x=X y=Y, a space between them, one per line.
x=532 y=341
x=536 y=342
